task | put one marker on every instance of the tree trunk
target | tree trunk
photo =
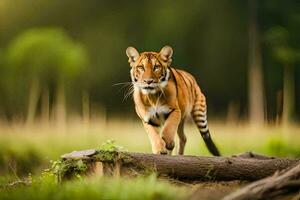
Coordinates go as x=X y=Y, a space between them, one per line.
x=32 y=100
x=61 y=106
x=255 y=77
x=248 y=166
x=288 y=95
x=45 y=106
x=86 y=108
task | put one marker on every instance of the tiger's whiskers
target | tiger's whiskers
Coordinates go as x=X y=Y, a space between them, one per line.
x=129 y=88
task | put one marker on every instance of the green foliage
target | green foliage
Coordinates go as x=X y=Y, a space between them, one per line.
x=278 y=146
x=109 y=151
x=37 y=52
x=19 y=160
x=38 y=59
x=110 y=145
x=203 y=43
x=63 y=169
x=277 y=36
x=279 y=40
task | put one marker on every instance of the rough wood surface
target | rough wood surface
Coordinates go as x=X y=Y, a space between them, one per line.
x=247 y=166
x=273 y=187
x=253 y=156
x=80 y=154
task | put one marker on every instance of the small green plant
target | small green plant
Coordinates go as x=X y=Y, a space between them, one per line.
x=210 y=174
x=109 y=152
x=66 y=169
x=110 y=145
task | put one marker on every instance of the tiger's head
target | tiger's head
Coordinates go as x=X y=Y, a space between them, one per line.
x=150 y=70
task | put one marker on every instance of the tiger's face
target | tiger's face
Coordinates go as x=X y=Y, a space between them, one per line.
x=149 y=70
x=149 y=75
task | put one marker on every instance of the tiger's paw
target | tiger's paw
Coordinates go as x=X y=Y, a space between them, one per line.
x=159 y=147
x=163 y=152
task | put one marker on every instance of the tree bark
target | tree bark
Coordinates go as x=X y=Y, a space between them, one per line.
x=275 y=186
x=249 y=166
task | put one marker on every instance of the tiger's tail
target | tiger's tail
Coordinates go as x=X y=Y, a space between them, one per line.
x=200 y=118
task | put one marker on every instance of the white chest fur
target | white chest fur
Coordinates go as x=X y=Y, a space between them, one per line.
x=156 y=112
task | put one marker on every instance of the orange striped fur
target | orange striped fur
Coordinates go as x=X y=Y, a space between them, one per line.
x=164 y=97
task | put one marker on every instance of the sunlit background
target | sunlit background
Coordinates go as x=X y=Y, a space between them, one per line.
x=63 y=74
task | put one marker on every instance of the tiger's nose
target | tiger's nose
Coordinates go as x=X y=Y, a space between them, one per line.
x=148 y=81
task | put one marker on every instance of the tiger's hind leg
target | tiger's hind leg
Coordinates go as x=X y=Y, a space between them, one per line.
x=182 y=138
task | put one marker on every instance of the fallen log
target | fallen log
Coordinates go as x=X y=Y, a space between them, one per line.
x=281 y=183
x=247 y=166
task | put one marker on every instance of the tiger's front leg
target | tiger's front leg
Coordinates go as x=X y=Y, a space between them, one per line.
x=170 y=129
x=157 y=143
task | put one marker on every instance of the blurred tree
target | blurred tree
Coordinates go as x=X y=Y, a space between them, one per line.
x=255 y=76
x=207 y=37
x=278 y=38
x=2 y=85
x=41 y=56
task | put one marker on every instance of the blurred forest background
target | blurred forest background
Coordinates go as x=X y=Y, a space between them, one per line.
x=60 y=59
x=63 y=62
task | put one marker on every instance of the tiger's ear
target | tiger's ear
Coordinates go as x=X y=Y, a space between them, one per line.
x=133 y=55
x=165 y=55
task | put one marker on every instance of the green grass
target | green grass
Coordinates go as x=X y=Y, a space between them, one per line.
x=29 y=150
x=96 y=188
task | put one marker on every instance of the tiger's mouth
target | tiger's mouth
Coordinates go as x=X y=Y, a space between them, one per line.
x=148 y=88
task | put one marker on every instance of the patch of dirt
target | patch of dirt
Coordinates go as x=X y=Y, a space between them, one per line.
x=215 y=190
x=218 y=190
x=208 y=190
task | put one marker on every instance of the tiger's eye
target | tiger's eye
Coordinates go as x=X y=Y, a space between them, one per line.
x=156 y=68
x=140 y=68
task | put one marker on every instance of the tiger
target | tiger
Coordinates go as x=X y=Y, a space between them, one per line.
x=164 y=97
